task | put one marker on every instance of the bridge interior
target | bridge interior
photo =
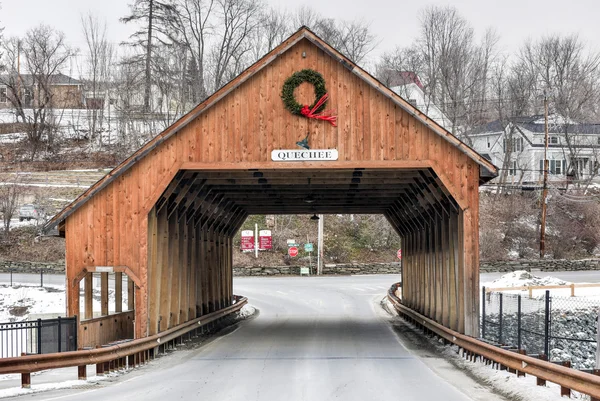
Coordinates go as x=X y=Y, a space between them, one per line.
x=192 y=225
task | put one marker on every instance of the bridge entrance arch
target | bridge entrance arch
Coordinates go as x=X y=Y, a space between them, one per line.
x=169 y=212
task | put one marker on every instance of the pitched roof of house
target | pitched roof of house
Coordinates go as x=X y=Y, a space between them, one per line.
x=54 y=79
x=532 y=124
x=487 y=171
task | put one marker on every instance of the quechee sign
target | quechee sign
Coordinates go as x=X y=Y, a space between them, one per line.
x=292 y=155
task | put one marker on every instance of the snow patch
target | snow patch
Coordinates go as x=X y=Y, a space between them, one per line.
x=522 y=278
x=247 y=311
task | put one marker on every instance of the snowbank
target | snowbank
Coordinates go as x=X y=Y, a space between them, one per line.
x=522 y=278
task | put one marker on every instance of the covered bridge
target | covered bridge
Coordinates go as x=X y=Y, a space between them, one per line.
x=165 y=217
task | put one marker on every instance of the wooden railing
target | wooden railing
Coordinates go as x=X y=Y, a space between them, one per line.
x=106 y=329
x=130 y=353
x=531 y=288
x=569 y=379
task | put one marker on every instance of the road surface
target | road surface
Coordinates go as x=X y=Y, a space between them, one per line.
x=322 y=338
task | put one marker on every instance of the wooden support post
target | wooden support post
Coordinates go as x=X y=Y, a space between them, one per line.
x=565 y=391
x=88 y=292
x=26 y=380
x=118 y=292
x=130 y=294
x=104 y=294
x=539 y=381
x=99 y=369
x=82 y=372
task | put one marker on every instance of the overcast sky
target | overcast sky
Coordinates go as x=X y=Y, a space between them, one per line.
x=395 y=22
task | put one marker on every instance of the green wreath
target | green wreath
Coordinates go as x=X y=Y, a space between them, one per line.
x=310 y=76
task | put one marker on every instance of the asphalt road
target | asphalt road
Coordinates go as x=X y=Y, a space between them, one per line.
x=315 y=339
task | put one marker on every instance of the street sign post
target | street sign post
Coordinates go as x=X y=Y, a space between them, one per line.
x=293 y=251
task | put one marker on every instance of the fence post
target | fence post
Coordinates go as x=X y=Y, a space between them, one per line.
x=39 y=336
x=11 y=281
x=483 y=312
x=547 y=324
x=76 y=333
x=59 y=335
x=500 y=320
x=41 y=278
x=519 y=322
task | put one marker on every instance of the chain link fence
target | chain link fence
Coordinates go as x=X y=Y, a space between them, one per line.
x=562 y=329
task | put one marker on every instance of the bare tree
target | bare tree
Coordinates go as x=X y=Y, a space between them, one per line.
x=238 y=19
x=44 y=53
x=192 y=26
x=10 y=191
x=570 y=76
x=155 y=16
x=99 y=61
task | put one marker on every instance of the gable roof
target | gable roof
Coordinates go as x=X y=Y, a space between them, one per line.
x=487 y=171
x=54 y=79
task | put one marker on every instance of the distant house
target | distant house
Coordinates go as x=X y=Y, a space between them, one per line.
x=573 y=149
x=67 y=92
x=408 y=85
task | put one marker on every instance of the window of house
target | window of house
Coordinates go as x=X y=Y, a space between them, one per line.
x=513 y=168
x=557 y=167
x=599 y=140
x=413 y=102
x=489 y=143
x=516 y=144
x=3 y=96
x=554 y=140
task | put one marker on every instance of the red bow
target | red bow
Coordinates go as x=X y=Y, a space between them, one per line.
x=325 y=115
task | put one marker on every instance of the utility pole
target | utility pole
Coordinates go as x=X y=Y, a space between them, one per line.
x=545 y=188
x=320 y=245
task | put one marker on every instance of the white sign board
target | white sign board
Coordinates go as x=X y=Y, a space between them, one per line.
x=292 y=155
x=247 y=233
x=104 y=269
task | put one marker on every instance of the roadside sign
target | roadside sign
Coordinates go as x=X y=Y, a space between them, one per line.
x=265 y=240
x=293 y=251
x=304 y=271
x=291 y=242
x=247 y=243
x=308 y=247
x=399 y=254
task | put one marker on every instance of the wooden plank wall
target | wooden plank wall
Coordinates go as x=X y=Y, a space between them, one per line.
x=116 y=226
x=440 y=269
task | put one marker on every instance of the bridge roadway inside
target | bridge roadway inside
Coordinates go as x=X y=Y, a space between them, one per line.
x=317 y=338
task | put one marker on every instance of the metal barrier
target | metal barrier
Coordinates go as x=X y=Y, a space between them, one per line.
x=113 y=357
x=569 y=379
x=562 y=329
x=41 y=336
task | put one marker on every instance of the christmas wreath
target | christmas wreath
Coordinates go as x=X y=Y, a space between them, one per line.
x=316 y=109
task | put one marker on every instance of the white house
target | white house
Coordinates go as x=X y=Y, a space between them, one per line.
x=573 y=149
x=408 y=85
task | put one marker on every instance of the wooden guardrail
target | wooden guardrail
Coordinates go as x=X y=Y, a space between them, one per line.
x=531 y=288
x=109 y=358
x=567 y=378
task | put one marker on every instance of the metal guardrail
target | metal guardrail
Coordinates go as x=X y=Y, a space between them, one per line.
x=568 y=379
x=113 y=357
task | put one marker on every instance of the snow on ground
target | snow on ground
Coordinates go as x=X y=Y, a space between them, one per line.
x=522 y=278
x=17 y=303
x=521 y=388
x=247 y=311
x=38 y=388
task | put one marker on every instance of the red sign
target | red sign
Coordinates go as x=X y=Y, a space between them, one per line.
x=293 y=251
x=247 y=243
x=265 y=240
x=399 y=254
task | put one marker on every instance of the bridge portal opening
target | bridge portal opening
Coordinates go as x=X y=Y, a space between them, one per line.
x=192 y=225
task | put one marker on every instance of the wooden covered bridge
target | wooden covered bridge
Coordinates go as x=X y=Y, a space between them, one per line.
x=165 y=217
